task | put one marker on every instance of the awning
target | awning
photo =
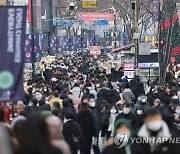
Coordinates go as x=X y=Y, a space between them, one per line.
x=120 y=49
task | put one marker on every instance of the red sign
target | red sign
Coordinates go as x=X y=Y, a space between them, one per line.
x=129 y=66
x=129 y=74
x=95 y=50
x=90 y=16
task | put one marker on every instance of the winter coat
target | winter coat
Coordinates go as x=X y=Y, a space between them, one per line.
x=114 y=150
x=143 y=106
x=167 y=115
x=92 y=91
x=131 y=117
x=45 y=107
x=128 y=96
x=73 y=135
x=85 y=120
x=159 y=148
x=76 y=92
x=65 y=110
x=111 y=123
x=139 y=88
x=114 y=97
x=96 y=120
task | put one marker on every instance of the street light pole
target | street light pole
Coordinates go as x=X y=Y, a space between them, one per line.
x=135 y=9
x=32 y=42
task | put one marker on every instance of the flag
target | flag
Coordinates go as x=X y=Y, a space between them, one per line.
x=27 y=49
x=12 y=32
x=53 y=45
x=60 y=44
x=169 y=16
x=38 y=43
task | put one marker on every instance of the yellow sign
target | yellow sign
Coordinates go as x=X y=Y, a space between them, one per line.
x=150 y=39
x=90 y=4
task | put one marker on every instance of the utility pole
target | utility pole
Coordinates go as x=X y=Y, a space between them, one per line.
x=135 y=8
x=32 y=42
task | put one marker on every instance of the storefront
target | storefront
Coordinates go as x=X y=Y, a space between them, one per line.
x=147 y=71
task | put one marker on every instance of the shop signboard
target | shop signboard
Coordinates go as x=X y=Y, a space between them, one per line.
x=129 y=74
x=95 y=50
x=92 y=16
x=148 y=65
x=101 y=22
x=128 y=66
x=89 y=3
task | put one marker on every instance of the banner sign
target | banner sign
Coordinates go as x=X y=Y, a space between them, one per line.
x=95 y=50
x=38 y=43
x=92 y=16
x=12 y=32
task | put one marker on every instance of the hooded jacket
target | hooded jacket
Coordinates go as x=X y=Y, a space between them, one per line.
x=112 y=148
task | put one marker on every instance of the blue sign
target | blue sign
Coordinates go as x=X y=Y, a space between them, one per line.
x=101 y=22
x=65 y=23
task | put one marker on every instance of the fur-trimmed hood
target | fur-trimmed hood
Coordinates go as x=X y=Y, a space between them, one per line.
x=164 y=133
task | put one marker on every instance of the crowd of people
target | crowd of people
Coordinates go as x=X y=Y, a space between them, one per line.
x=81 y=108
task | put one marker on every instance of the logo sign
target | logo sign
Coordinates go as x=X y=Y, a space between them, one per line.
x=101 y=22
x=95 y=50
x=65 y=23
x=121 y=140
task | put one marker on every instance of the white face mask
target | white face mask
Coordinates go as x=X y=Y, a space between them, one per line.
x=126 y=110
x=120 y=111
x=175 y=97
x=155 y=125
x=92 y=104
x=178 y=111
x=144 y=100
x=139 y=98
x=139 y=112
x=97 y=85
x=113 y=111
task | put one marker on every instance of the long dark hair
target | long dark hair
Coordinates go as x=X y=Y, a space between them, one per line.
x=83 y=107
x=34 y=137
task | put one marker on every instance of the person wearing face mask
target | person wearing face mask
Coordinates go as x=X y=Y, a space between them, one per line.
x=129 y=115
x=120 y=126
x=139 y=114
x=155 y=127
x=152 y=95
x=128 y=95
x=177 y=119
x=157 y=103
x=167 y=112
x=141 y=103
x=92 y=104
x=167 y=93
x=113 y=115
